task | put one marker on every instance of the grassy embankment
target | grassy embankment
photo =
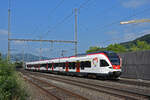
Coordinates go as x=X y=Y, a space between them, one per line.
x=12 y=86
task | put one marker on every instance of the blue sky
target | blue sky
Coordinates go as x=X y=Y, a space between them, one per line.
x=98 y=23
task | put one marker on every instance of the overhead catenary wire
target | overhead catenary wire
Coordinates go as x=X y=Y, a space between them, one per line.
x=67 y=17
x=54 y=9
x=103 y=11
x=57 y=6
x=121 y=38
x=62 y=21
x=118 y=21
x=83 y=4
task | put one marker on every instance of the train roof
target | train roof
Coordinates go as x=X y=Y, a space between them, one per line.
x=79 y=55
x=97 y=52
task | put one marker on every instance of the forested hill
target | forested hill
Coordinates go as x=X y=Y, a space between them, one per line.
x=145 y=38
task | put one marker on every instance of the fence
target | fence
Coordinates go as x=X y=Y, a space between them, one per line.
x=136 y=65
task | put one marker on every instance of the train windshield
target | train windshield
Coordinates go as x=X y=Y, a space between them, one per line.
x=114 y=58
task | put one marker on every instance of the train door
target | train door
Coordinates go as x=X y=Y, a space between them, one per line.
x=52 y=66
x=67 y=67
x=77 y=66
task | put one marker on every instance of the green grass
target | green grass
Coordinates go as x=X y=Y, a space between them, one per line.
x=12 y=87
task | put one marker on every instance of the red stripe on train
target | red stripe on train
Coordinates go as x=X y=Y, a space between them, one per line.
x=67 y=67
x=78 y=67
x=116 y=66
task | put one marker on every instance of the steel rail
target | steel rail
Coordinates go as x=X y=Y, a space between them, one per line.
x=95 y=87
x=53 y=97
x=69 y=92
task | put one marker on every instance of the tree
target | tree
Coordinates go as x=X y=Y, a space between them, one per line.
x=116 y=48
x=139 y=46
x=94 y=49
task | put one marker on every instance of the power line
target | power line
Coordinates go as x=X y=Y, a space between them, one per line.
x=121 y=38
x=57 y=6
x=62 y=21
x=103 y=11
x=83 y=4
x=54 y=9
x=68 y=16
x=118 y=21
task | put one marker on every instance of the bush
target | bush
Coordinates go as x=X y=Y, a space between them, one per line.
x=11 y=85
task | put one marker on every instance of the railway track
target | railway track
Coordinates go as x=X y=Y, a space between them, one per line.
x=139 y=83
x=116 y=91
x=52 y=91
x=131 y=82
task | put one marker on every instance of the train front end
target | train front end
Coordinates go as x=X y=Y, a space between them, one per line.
x=115 y=61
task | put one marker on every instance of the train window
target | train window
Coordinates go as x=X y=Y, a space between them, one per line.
x=49 y=65
x=64 y=65
x=87 y=64
x=82 y=65
x=73 y=65
x=70 y=65
x=43 y=65
x=56 y=65
x=60 y=64
x=32 y=65
x=103 y=63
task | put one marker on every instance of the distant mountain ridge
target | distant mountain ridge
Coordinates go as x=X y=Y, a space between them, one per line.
x=27 y=57
x=145 y=38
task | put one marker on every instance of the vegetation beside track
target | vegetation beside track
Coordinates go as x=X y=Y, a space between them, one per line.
x=120 y=48
x=12 y=87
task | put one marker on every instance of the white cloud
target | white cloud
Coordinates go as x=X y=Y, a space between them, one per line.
x=3 y=32
x=133 y=3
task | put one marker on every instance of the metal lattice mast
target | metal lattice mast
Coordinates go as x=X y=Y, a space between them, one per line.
x=76 y=49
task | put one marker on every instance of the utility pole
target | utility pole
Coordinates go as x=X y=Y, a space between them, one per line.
x=76 y=49
x=23 y=57
x=62 y=52
x=8 y=53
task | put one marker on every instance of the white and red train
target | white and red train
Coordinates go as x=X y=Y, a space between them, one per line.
x=101 y=64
